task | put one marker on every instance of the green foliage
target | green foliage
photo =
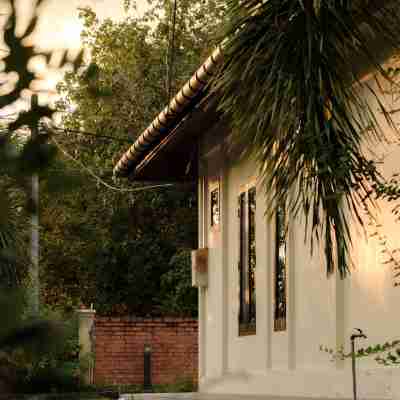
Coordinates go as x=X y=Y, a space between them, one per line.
x=19 y=158
x=34 y=347
x=291 y=83
x=386 y=354
x=57 y=368
x=12 y=270
x=129 y=61
x=120 y=272
x=178 y=295
x=17 y=61
x=28 y=344
x=182 y=385
x=389 y=190
x=111 y=247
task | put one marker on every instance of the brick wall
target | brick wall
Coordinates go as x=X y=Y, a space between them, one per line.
x=120 y=344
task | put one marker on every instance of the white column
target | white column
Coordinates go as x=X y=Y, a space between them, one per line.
x=291 y=295
x=225 y=213
x=202 y=291
x=86 y=343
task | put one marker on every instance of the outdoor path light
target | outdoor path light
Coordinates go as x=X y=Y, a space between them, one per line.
x=147 y=387
x=353 y=337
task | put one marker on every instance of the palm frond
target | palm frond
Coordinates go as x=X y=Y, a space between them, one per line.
x=11 y=243
x=297 y=102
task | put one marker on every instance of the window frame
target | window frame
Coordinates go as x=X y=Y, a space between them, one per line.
x=247 y=316
x=214 y=212
x=280 y=286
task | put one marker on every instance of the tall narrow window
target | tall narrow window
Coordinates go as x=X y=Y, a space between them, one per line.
x=247 y=262
x=280 y=270
x=215 y=207
x=252 y=253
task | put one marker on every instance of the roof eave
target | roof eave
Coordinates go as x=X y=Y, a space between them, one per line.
x=170 y=117
x=174 y=159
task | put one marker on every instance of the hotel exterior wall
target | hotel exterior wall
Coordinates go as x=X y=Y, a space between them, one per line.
x=321 y=311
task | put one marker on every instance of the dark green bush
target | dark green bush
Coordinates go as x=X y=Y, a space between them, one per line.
x=50 y=363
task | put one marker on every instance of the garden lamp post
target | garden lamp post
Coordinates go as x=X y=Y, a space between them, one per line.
x=148 y=388
x=353 y=337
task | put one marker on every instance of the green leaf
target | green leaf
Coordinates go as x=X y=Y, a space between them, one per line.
x=291 y=86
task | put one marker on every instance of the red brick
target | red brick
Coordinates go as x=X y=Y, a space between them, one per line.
x=120 y=344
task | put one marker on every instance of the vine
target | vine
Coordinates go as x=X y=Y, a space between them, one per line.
x=392 y=254
x=387 y=189
x=387 y=354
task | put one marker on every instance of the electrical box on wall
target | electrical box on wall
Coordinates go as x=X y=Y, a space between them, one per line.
x=200 y=267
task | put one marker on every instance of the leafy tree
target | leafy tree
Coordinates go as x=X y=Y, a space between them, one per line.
x=300 y=104
x=112 y=253
x=19 y=159
x=118 y=240
x=176 y=286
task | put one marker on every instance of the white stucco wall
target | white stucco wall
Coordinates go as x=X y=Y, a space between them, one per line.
x=321 y=311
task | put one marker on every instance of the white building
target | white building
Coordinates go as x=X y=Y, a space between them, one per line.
x=266 y=307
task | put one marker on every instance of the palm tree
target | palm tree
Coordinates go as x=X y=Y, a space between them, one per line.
x=10 y=242
x=33 y=156
x=17 y=331
x=292 y=84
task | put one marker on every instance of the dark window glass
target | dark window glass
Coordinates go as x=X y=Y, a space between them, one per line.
x=242 y=270
x=247 y=262
x=252 y=254
x=280 y=270
x=215 y=207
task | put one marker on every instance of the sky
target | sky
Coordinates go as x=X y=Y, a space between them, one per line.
x=59 y=27
x=65 y=25
x=59 y=24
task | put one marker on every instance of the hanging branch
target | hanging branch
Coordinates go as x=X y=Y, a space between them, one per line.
x=291 y=83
